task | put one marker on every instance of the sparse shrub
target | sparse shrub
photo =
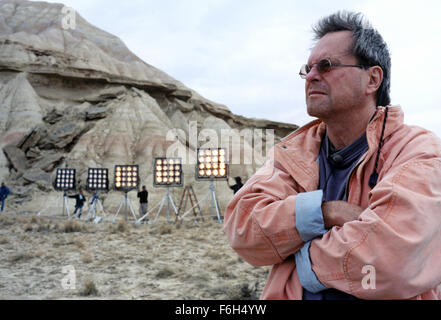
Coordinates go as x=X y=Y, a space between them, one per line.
x=87 y=258
x=200 y=280
x=144 y=261
x=20 y=257
x=164 y=273
x=42 y=227
x=79 y=243
x=121 y=226
x=244 y=292
x=165 y=229
x=28 y=228
x=72 y=226
x=89 y=288
x=222 y=271
x=6 y=221
x=224 y=291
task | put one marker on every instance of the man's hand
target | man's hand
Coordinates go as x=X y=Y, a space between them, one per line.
x=337 y=213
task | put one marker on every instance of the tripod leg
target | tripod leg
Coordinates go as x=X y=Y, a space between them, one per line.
x=168 y=207
x=91 y=214
x=101 y=208
x=202 y=203
x=67 y=207
x=125 y=207
x=131 y=209
x=94 y=209
x=159 y=211
x=217 y=206
x=173 y=205
x=120 y=206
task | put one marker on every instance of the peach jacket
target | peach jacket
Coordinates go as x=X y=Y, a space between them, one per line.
x=398 y=233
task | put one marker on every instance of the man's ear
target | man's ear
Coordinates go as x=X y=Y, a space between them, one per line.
x=375 y=74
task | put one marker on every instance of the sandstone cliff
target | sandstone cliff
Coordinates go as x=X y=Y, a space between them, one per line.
x=78 y=97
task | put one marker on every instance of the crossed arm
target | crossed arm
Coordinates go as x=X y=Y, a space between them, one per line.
x=337 y=213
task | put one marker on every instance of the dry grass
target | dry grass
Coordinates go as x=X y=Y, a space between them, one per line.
x=156 y=261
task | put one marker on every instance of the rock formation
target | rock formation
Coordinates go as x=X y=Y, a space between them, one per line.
x=78 y=97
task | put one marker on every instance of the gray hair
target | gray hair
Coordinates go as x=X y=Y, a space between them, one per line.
x=368 y=47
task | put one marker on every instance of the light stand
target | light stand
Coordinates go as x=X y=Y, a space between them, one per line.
x=125 y=201
x=212 y=165
x=126 y=179
x=64 y=205
x=214 y=203
x=64 y=181
x=97 y=179
x=167 y=172
x=92 y=210
x=147 y=214
x=167 y=197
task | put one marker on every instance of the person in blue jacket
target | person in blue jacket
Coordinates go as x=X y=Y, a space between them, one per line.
x=80 y=199
x=4 y=193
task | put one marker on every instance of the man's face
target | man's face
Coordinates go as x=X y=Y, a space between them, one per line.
x=332 y=94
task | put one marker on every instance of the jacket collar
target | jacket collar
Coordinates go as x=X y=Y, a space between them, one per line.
x=298 y=151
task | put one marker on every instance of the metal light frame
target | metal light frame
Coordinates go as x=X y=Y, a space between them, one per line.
x=210 y=165
x=97 y=179
x=126 y=174
x=165 y=169
x=65 y=179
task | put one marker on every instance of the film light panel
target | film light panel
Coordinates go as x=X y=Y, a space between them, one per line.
x=126 y=177
x=65 y=179
x=211 y=164
x=168 y=172
x=98 y=179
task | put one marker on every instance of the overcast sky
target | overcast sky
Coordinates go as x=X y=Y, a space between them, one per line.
x=246 y=54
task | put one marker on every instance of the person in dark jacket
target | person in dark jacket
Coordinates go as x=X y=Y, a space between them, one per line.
x=236 y=186
x=80 y=199
x=4 y=193
x=143 y=201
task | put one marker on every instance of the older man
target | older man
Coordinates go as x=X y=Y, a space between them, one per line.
x=348 y=206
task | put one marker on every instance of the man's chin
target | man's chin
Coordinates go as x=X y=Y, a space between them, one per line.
x=316 y=111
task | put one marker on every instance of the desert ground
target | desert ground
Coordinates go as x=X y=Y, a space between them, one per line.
x=121 y=260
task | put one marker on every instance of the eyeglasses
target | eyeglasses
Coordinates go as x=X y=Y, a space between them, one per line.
x=323 y=66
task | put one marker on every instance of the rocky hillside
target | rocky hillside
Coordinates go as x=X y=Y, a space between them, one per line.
x=78 y=97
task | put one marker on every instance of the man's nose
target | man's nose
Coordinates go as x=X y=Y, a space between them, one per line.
x=313 y=75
